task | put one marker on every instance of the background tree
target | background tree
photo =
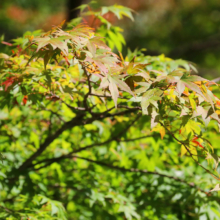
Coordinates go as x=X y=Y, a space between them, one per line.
x=177 y=29
x=71 y=5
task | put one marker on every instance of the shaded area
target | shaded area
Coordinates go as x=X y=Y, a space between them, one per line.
x=71 y=5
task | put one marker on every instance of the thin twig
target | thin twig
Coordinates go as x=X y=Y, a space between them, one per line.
x=208 y=171
x=107 y=96
x=54 y=113
x=127 y=107
x=135 y=139
x=90 y=88
x=6 y=209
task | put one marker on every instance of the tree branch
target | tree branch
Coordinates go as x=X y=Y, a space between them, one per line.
x=54 y=113
x=70 y=124
x=89 y=92
x=134 y=170
x=6 y=209
x=135 y=139
x=127 y=107
x=106 y=96
x=52 y=160
x=208 y=171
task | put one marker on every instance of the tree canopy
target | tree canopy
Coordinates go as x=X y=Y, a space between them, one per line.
x=89 y=134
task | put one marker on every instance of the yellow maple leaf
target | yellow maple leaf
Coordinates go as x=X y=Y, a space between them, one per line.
x=183 y=150
x=160 y=129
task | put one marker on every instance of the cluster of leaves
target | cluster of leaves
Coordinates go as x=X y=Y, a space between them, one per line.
x=39 y=206
x=178 y=30
x=69 y=105
x=100 y=20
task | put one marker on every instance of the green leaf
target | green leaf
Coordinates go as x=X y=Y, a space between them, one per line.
x=113 y=90
x=216 y=188
x=180 y=87
x=150 y=97
x=122 y=85
x=192 y=102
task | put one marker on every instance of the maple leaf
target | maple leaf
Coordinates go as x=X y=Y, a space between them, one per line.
x=194 y=140
x=216 y=188
x=183 y=150
x=114 y=91
x=213 y=157
x=8 y=82
x=24 y=100
x=152 y=96
x=158 y=128
x=154 y=121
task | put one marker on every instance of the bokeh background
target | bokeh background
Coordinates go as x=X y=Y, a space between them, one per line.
x=188 y=29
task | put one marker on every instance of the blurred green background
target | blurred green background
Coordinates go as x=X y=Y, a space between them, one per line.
x=188 y=29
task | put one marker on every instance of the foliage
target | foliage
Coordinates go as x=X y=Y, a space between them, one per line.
x=178 y=29
x=88 y=128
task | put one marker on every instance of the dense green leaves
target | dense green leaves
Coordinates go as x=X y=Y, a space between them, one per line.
x=79 y=130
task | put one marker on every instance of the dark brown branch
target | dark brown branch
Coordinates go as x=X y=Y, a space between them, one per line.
x=135 y=139
x=119 y=106
x=90 y=89
x=122 y=113
x=54 y=113
x=74 y=109
x=101 y=96
x=6 y=209
x=78 y=120
x=108 y=141
x=134 y=170
x=116 y=138
x=70 y=124
x=127 y=107
x=106 y=96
